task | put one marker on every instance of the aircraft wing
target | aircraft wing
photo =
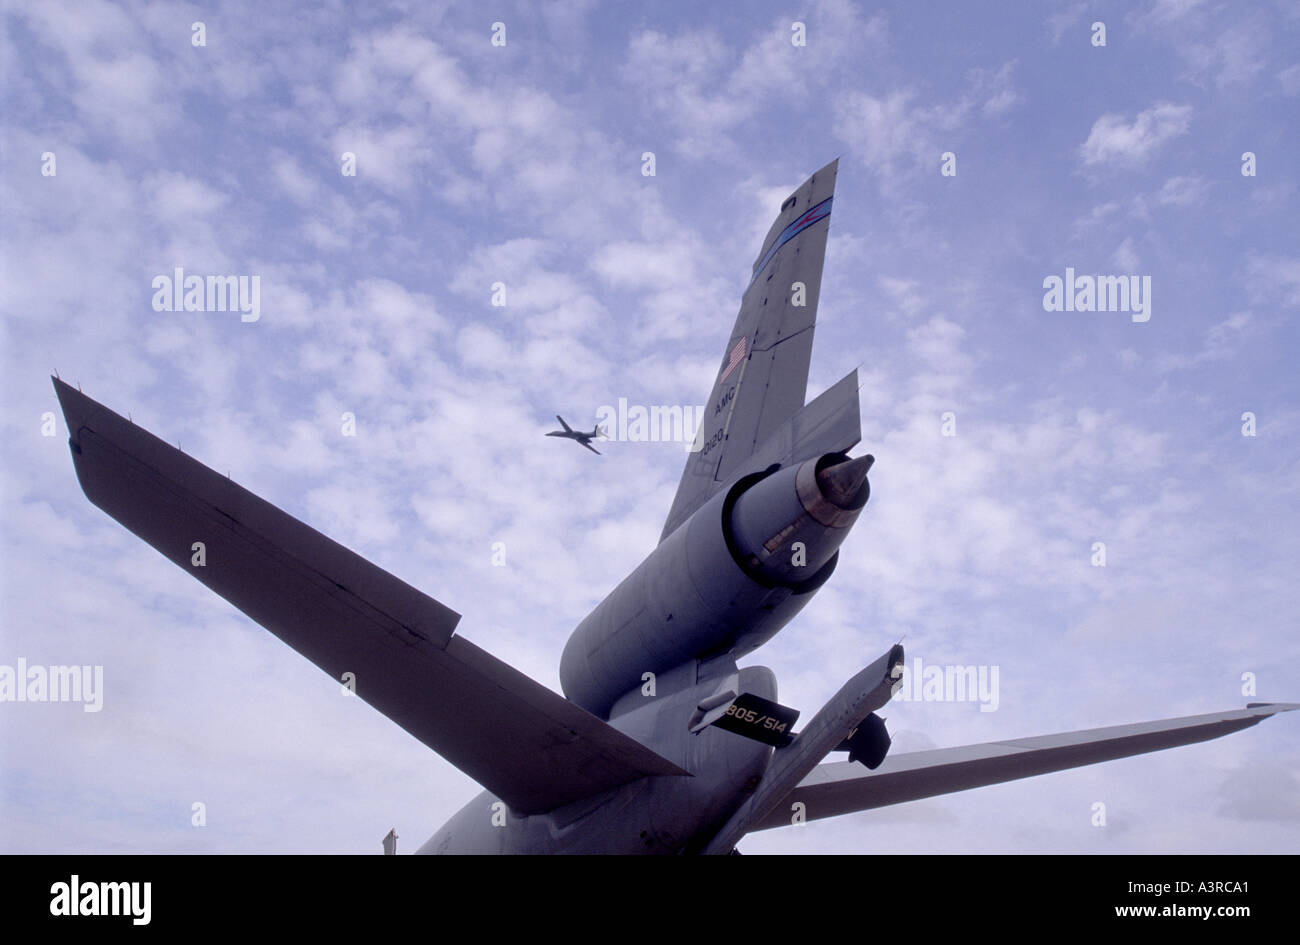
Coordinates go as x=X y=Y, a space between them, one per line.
x=523 y=742
x=763 y=378
x=844 y=787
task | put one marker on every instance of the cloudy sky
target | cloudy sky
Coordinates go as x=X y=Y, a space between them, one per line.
x=522 y=164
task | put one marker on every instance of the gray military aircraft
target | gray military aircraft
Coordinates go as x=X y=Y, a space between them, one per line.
x=572 y=434
x=661 y=743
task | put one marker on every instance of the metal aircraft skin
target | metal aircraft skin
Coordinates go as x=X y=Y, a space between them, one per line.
x=661 y=742
x=572 y=434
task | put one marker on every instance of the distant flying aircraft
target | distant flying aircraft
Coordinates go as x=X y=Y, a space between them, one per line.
x=583 y=438
x=661 y=743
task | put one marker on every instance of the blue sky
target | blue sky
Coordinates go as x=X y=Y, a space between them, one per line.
x=522 y=164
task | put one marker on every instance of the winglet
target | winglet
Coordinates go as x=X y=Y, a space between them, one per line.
x=1274 y=707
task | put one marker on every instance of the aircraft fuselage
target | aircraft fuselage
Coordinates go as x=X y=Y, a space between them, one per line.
x=656 y=815
x=665 y=640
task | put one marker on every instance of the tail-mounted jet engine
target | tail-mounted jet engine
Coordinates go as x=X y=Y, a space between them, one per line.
x=783 y=535
x=724 y=582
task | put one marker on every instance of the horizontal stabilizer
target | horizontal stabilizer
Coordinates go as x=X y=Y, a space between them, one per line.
x=843 y=787
x=831 y=423
x=526 y=744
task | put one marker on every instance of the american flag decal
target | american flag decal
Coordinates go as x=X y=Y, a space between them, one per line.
x=737 y=355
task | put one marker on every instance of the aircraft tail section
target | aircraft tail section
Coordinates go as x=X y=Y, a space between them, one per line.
x=763 y=379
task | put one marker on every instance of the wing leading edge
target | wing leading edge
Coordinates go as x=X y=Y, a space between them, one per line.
x=763 y=379
x=843 y=787
x=526 y=744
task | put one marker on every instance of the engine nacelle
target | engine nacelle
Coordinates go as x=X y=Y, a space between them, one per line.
x=724 y=582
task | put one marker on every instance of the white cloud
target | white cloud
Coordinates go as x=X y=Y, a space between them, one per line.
x=1183 y=191
x=390 y=157
x=112 y=76
x=643 y=265
x=294 y=179
x=706 y=91
x=1222 y=342
x=1221 y=46
x=679 y=76
x=940 y=342
x=895 y=136
x=1115 y=141
x=996 y=89
x=1063 y=21
x=178 y=199
x=1274 y=278
x=1125 y=258
x=891 y=134
x=1290 y=79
